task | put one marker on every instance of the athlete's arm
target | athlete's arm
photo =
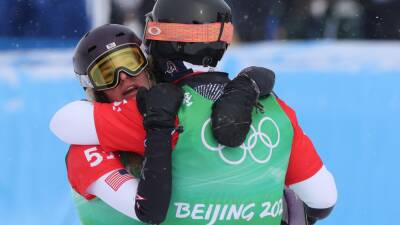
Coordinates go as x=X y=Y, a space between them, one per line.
x=74 y=124
x=318 y=193
x=154 y=189
x=159 y=106
x=115 y=126
x=306 y=174
x=94 y=173
x=121 y=198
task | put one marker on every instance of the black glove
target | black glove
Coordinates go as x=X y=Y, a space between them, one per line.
x=159 y=105
x=231 y=113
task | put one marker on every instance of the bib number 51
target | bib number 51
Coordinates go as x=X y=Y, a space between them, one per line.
x=94 y=157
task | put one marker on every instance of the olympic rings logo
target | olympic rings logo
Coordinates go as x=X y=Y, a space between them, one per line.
x=249 y=144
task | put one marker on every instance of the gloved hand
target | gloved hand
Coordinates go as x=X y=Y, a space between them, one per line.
x=159 y=105
x=231 y=113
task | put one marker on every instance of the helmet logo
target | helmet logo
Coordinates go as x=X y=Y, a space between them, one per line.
x=153 y=30
x=111 y=45
x=171 y=67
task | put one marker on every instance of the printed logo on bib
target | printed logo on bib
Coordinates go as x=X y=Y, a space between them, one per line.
x=117 y=106
x=214 y=213
x=187 y=99
x=256 y=137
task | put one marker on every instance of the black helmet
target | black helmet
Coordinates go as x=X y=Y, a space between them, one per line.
x=185 y=12
x=98 y=41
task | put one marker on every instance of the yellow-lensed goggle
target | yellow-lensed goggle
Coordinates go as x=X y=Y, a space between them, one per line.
x=103 y=72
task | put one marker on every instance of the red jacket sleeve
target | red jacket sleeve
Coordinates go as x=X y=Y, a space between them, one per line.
x=86 y=164
x=119 y=127
x=304 y=160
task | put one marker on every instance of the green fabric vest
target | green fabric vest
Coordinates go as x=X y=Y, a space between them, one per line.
x=213 y=184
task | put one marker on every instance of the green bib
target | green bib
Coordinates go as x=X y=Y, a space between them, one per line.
x=214 y=184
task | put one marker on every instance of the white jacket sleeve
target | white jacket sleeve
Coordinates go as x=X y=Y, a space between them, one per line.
x=318 y=191
x=74 y=124
x=122 y=200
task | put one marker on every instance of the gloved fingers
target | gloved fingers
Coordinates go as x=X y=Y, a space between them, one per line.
x=162 y=103
x=172 y=94
x=263 y=77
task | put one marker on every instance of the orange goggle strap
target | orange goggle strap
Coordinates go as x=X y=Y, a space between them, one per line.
x=179 y=32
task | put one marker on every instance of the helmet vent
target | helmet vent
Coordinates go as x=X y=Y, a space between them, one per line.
x=120 y=34
x=92 y=48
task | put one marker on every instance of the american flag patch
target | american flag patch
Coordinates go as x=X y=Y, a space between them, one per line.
x=117 y=178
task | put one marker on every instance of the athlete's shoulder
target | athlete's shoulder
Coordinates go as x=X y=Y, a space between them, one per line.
x=288 y=110
x=88 y=156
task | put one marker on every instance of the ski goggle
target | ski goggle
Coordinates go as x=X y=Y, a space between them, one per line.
x=103 y=72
